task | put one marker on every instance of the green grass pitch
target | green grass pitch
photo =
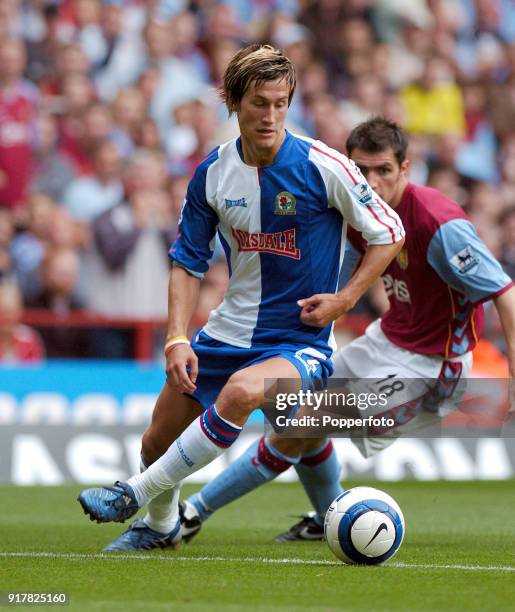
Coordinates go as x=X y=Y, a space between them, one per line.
x=458 y=554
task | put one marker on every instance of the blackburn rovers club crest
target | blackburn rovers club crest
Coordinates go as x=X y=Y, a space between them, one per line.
x=285 y=203
x=402 y=259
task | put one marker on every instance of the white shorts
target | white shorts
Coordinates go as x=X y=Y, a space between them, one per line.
x=373 y=356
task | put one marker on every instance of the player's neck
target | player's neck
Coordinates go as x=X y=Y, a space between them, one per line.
x=399 y=192
x=258 y=156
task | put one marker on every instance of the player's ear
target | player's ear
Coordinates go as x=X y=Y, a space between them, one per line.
x=405 y=167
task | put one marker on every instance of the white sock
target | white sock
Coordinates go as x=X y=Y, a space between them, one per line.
x=201 y=442
x=163 y=511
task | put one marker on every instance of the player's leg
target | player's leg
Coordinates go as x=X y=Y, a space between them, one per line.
x=172 y=414
x=203 y=440
x=266 y=458
x=319 y=470
x=314 y=459
x=160 y=527
x=260 y=463
x=217 y=429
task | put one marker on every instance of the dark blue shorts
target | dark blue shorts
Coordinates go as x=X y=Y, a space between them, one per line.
x=218 y=361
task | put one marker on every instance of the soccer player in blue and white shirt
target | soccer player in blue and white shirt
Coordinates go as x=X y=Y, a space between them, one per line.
x=280 y=205
x=420 y=349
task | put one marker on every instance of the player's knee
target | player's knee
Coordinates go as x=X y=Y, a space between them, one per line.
x=243 y=393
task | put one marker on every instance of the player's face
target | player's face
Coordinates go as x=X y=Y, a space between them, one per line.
x=383 y=173
x=261 y=117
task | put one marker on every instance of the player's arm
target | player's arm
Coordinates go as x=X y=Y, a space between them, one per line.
x=181 y=361
x=505 y=305
x=462 y=260
x=321 y=309
x=373 y=264
x=190 y=253
x=363 y=209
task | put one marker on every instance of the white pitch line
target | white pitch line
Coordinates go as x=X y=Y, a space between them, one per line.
x=265 y=560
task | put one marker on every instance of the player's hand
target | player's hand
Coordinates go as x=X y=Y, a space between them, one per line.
x=323 y=308
x=182 y=368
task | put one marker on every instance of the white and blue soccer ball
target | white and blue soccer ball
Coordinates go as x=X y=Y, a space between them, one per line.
x=364 y=525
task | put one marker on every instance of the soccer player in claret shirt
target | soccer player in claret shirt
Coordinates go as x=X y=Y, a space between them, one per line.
x=280 y=204
x=436 y=286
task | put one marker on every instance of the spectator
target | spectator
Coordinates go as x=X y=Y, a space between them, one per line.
x=28 y=247
x=194 y=134
x=177 y=81
x=434 y=105
x=507 y=167
x=446 y=179
x=130 y=254
x=124 y=49
x=93 y=126
x=18 y=99
x=6 y=235
x=77 y=95
x=366 y=101
x=476 y=158
x=58 y=293
x=42 y=53
x=129 y=111
x=53 y=170
x=89 y=196
x=70 y=60
x=129 y=266
x=185 y=34
x=131 y=245
x=147 y=136
x=324 y=19
x=18 y=343
x=88 y=31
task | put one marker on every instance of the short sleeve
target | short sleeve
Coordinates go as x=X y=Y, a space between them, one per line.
x=349 y=192
x=462 y=260
x=195 y=241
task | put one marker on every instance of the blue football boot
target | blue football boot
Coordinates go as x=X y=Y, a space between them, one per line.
x=106 y=504
x=140 y=537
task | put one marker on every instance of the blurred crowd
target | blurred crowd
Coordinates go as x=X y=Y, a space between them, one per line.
x=107 y=106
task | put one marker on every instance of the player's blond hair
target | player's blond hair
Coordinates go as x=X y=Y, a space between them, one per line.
x=255 y=64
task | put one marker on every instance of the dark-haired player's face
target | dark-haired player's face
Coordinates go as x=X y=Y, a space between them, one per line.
x=383 y=172
x=262 y=113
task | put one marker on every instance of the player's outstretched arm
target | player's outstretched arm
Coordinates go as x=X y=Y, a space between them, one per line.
x=505 y=304
x=321 y=309
x=181 y=361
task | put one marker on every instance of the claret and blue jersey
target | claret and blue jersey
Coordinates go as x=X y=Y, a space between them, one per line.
x=437 y=283
x=283 y=229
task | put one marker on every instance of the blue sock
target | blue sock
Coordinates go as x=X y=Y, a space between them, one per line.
x=319 y=472
x=260 y=463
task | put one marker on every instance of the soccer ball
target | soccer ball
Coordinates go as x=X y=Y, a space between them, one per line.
x=364 y=525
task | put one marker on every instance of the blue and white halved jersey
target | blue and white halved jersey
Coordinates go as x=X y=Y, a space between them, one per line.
x=283 y=229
